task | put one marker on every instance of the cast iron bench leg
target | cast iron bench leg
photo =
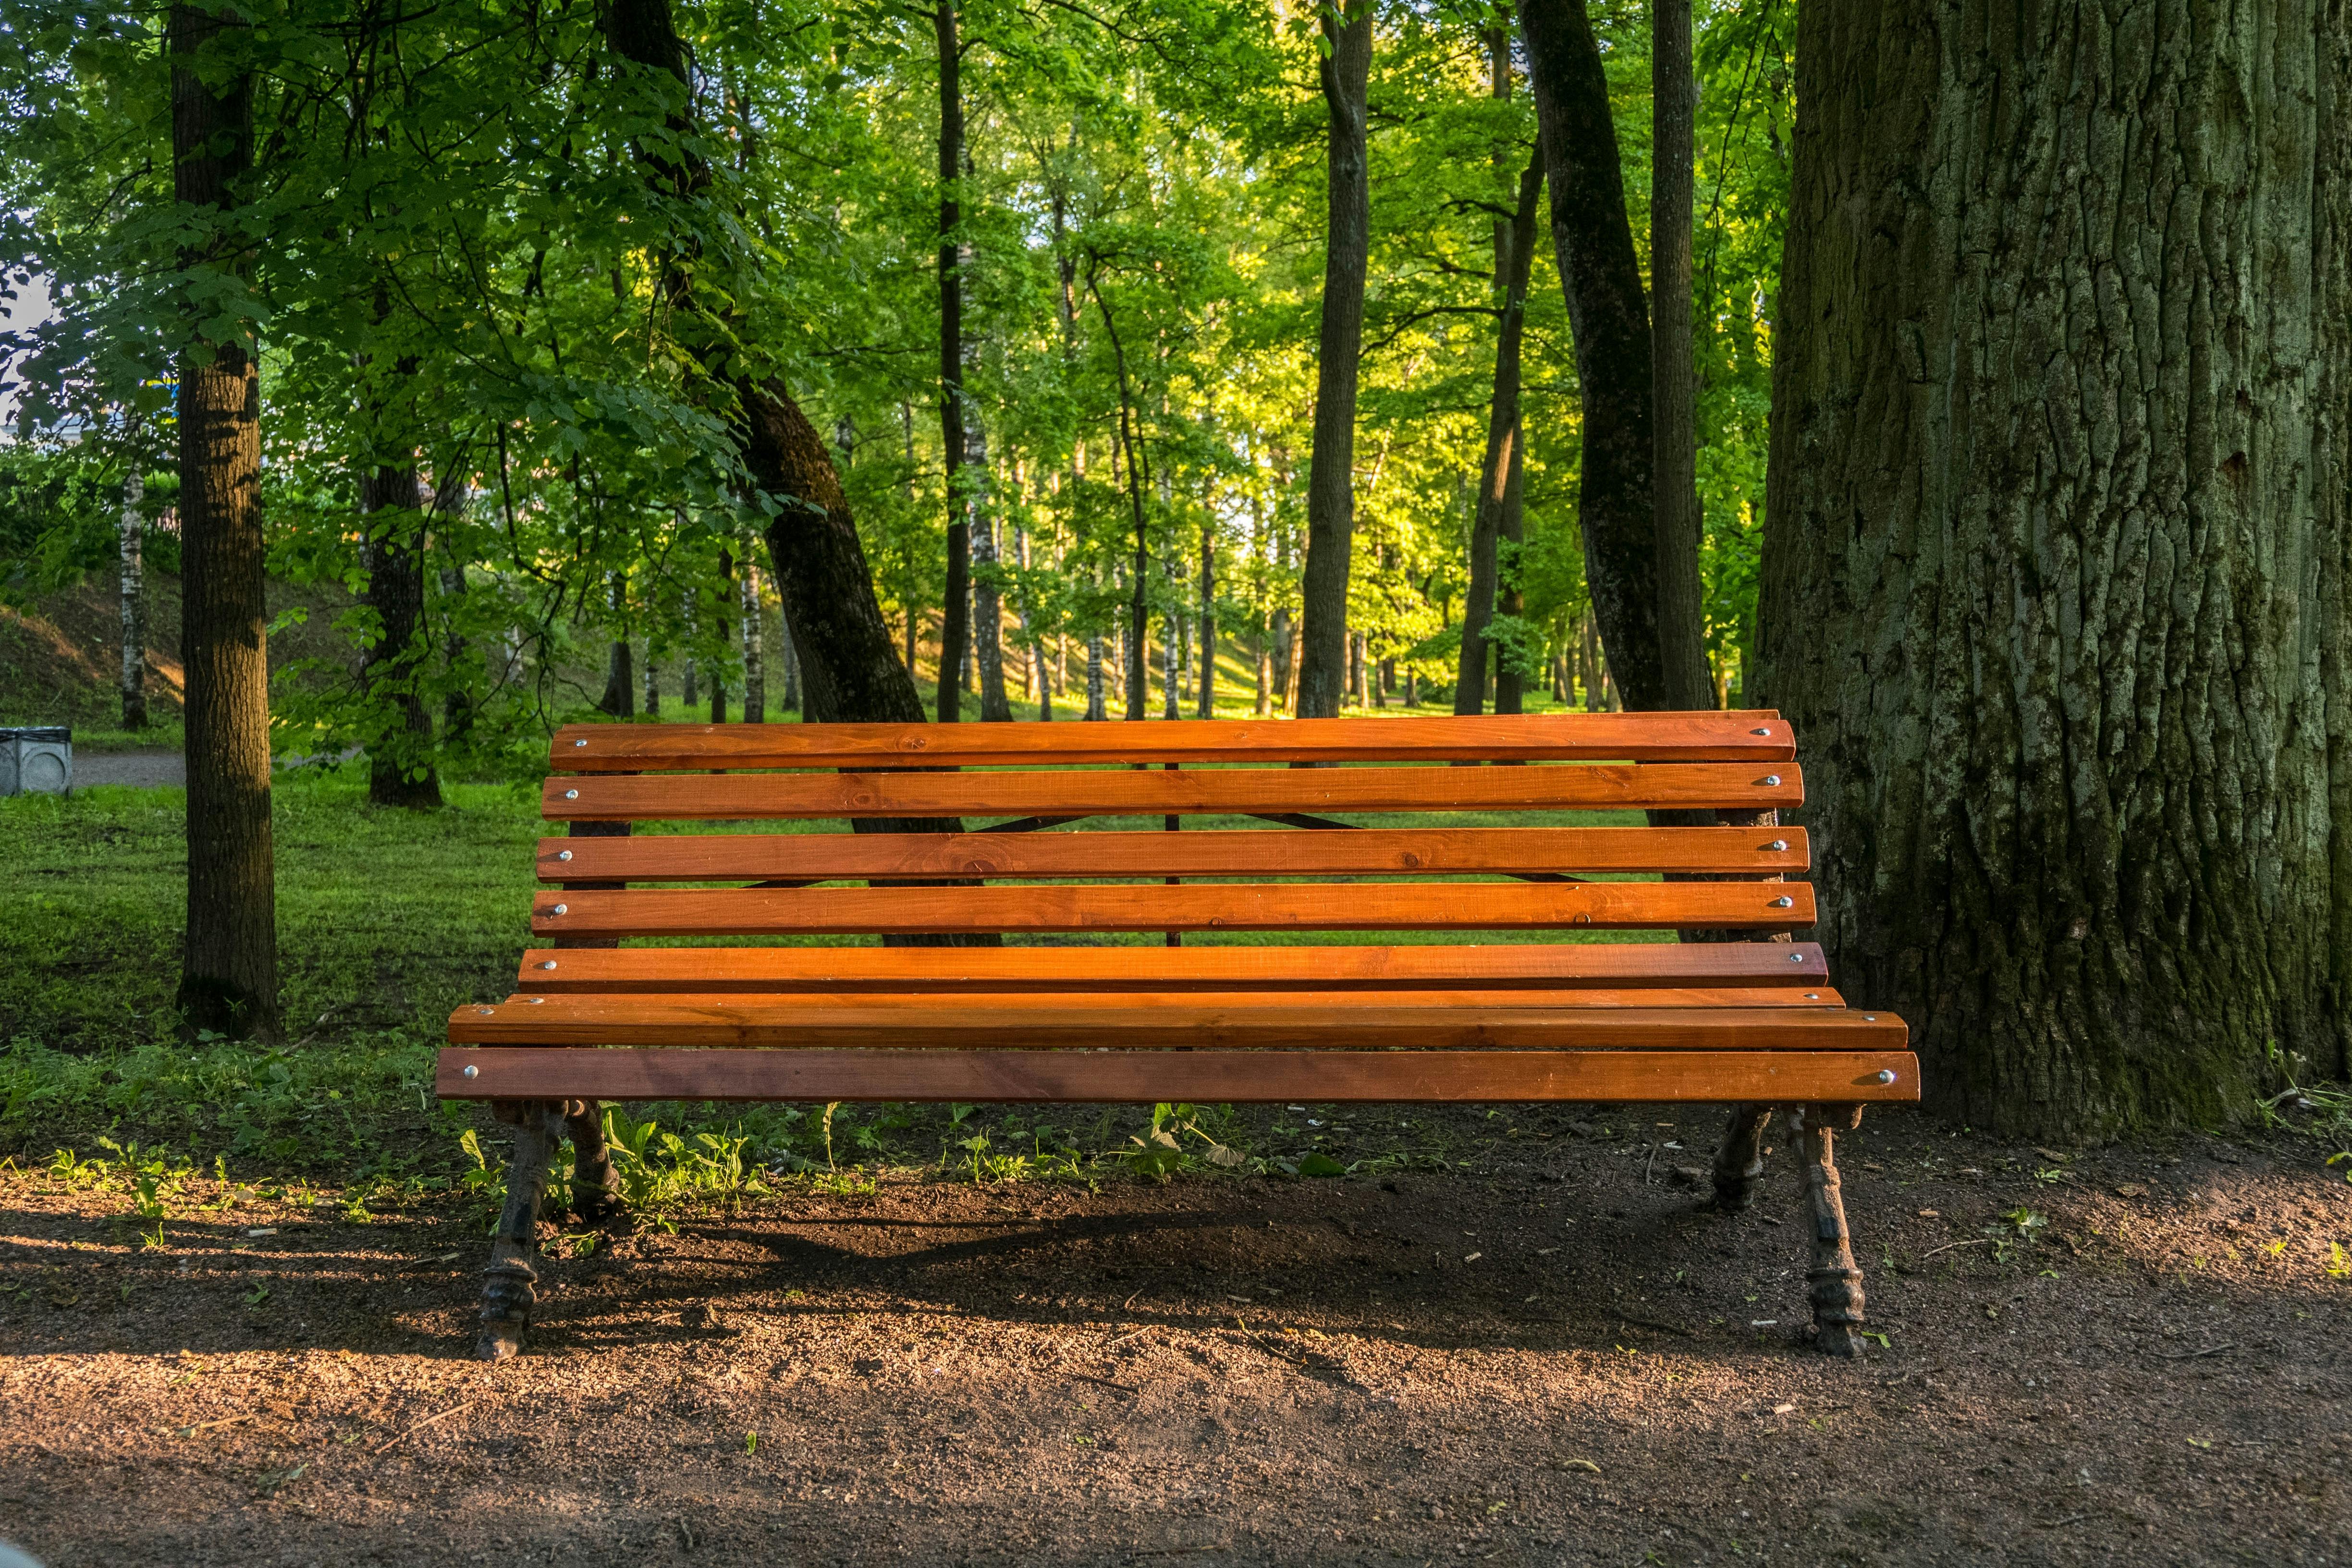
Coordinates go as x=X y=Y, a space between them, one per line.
x=508 y=1284
x=595 y=1185
x=1739 y=1159
x=1836 y=1283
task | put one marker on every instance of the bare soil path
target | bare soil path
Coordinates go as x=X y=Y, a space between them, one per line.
x=2129 y=1356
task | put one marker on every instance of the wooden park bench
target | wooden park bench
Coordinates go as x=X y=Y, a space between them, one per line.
x=1735 y=1013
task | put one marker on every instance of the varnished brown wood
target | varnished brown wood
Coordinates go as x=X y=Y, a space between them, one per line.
x=1220 y=791
x=1551 y=737
x=798 y=1023
x=1144 y=1078
x=1216 y=906
x=1418 y=851
x=1627 y=964
x=1114 y=1005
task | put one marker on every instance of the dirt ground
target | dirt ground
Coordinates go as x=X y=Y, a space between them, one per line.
x=1561 y=1359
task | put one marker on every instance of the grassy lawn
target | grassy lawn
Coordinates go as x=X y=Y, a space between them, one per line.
x=388 y=920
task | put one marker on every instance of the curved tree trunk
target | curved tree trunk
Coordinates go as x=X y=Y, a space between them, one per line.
x=1610 y=321
x=2055 y=569
x=1332 y=476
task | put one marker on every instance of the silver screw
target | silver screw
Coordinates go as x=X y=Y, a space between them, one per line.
x=1771 y=780
x=1796 y=958
x=564 y=855
x=484 y=1012
x=575 y=794
x=1751 y=732
x=1813 y=995
x=561 y=909
x=1777 y=846
x=548 y=965
x=534 y=1000
x=470 y=1070
x=1870 y=1017
x=1887 y=1075
x=1783 y=901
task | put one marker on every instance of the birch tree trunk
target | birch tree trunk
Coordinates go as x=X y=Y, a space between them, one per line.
x=133 y=532
x=2055 y=558
x=755 y=643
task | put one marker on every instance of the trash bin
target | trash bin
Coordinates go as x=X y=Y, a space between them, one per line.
x=36 y=760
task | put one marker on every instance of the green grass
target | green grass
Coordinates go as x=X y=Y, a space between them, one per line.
x=387 y=921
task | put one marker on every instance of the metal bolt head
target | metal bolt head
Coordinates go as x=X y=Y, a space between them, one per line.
x=1796 y=958
x=561 y=909
x=484 y=1012
x=1870 y=1017
x=564 y=855
x=583 y=742
x=469 y=1070
x=1778 y=846
x=534 y=1000
x=1751 y=732
x=1887 y=1075
x=1771 y=780
x=575 y=794
x=1813 y=995
x=547 y=963
x=1783 y=901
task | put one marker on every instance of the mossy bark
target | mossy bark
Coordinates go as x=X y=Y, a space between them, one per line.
x=2055 y=564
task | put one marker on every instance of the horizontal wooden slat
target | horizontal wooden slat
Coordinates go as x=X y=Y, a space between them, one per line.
x=1128 y=969
x=1114 y=1005
x=1158 y=792
x=1704 y=736
x=760 y=1021
x=882 y=857
x=1144 y=1078
x=1214 y=905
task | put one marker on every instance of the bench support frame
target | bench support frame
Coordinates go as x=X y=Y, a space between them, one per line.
x=1835 y=1284
x=509 y=1284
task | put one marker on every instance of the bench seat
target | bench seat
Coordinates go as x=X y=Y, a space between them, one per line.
x=1073 y=1009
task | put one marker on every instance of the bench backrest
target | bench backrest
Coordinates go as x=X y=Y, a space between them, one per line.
x=1008 y=785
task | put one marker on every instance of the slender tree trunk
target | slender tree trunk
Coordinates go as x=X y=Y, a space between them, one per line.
x=689 y=691
x=228 y=980
x=133 y=535
x=954 y=637
x=988 y=604
x=1673 y=400
x=1284 y=648
x=1514 y=258
x=1208 y=639
x=755 y=672
x=400 y=751
x=1610 y=321
x=721 y=624
x=1346 y=74
x=791 y=660
x=1137 y=677
x=619 y=699
x=2056 y=569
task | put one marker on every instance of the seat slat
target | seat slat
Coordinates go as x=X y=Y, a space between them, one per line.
x=837 y=969
x=1130 y=793
x=1144 y=1078
x=1114 y=1005
x=796 y=1022
x=822 y=856
x=1560 y=737
x=1279 y=905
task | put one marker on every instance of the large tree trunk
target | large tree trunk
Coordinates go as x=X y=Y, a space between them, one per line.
x=620 y=698
x=228 y=980
x=1346 y=72
x=2055 y=562
x=1499 y=471
x=400 y=746
x=1673 y=397
x=954 y=637
x=1611 y=324
x=133 y=535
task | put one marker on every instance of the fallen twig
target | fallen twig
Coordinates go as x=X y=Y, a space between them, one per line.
x=1979 y=1241
x=2192 y=1355
x=208 y=1426
x=1133 y=1333
x=1107 y=1382
x=420 y=1426
x=1646 y=1324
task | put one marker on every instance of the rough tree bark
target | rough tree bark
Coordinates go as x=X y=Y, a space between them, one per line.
x=2055 y=560
x=228 y=979
x=755 y=670
x=619 y=698
x=1346 y=72
x=957 y=629
x=400 y=750
x=1610 y=321
x=1674 y=383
